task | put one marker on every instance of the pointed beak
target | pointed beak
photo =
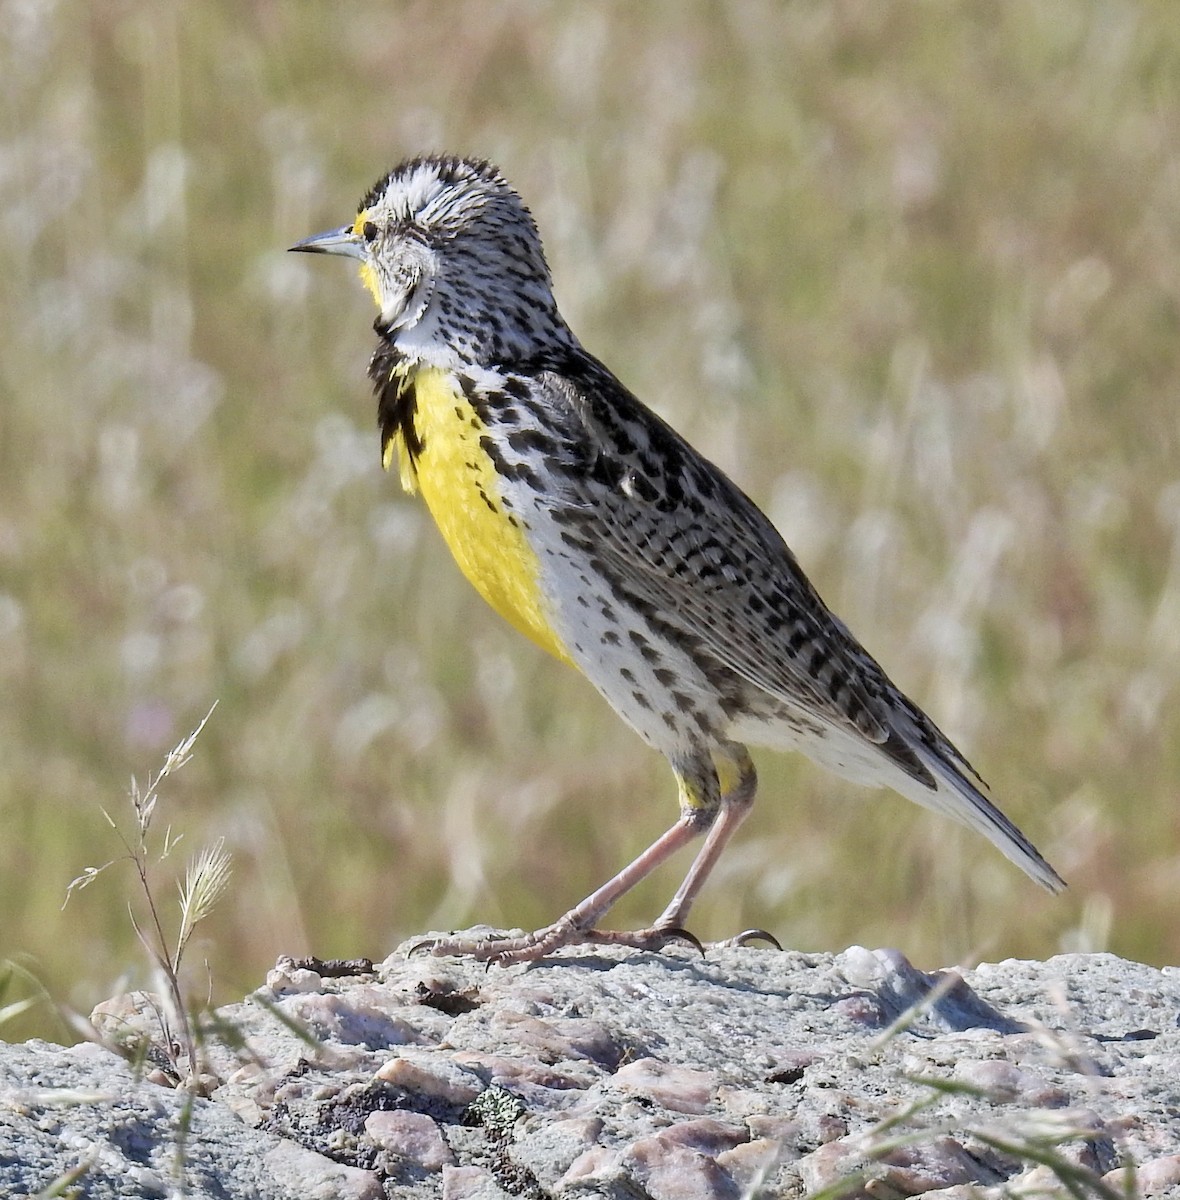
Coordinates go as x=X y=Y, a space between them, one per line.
x=336 y=241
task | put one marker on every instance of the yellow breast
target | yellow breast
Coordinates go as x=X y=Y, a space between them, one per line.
x=459 y=483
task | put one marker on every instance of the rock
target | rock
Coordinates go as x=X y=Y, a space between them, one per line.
x=80 y=1114
x=1160 y=1177
x=608 y=1072
x=411 y=1136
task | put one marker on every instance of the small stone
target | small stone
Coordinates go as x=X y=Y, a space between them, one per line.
x=505 y=1071
x=470 y=1183
x=927 y=1166
x=431 y=1074
x=743 y=1102
x=311 y=1176
x=939 y=1163
x=751 y=1163
x=708 y=1136
x=409 y=1135
x=557 y=1040
x=285 y=978
x=599 y=1163
x=942 y=999
x=130 y=1019
x=249 y=1111
x=1079 y=1135
x=785 y=1132
x=829 y=1164
x=1158 y=1177
x=827 y=1127
x=790 y=1066
x=669 y=1171
x=681 y=1089
x=1035 y=1183
x=1009 y=1082
x=861 y=1009
x=550 y=1151
x=310 y=1088
x=351 y=1020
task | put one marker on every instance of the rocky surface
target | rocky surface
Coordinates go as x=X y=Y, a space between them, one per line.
x=613 y=1073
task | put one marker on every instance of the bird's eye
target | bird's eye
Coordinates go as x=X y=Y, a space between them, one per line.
x=369 y=232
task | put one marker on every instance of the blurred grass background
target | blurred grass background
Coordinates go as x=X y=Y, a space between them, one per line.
x=910 y=272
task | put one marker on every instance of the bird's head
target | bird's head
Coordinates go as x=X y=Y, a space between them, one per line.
x=453 y=259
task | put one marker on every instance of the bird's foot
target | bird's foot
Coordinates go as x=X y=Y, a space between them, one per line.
x=503 y=951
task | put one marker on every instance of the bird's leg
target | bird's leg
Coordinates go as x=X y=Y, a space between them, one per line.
x=578 y=924
x=716 y=794
x=738 y=781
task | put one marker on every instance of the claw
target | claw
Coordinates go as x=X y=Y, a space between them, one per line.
x=677 y=933
x=654 y=939
x=746 y=937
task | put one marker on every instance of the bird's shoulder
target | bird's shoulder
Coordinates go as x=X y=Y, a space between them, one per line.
x=605 y=442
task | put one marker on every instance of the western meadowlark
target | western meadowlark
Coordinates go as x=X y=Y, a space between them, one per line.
x=600 y=533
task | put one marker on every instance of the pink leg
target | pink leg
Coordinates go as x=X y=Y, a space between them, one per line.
x=578 y=924
x=732 y=815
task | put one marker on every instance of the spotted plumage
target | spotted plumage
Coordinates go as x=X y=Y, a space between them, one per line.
x=599 y=532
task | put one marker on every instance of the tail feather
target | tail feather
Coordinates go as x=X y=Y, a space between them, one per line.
x=957 y=797
x=916 y=760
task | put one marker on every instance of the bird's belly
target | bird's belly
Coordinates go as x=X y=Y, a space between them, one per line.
x=844 y=753
x=649 y=679
x=460 y=486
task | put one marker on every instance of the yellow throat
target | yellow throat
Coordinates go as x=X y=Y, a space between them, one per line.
x=461 y=488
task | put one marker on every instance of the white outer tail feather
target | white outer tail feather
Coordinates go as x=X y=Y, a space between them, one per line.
x=957 y=797
x=854 y=758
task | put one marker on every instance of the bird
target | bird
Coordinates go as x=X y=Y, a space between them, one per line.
x=600 y=533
